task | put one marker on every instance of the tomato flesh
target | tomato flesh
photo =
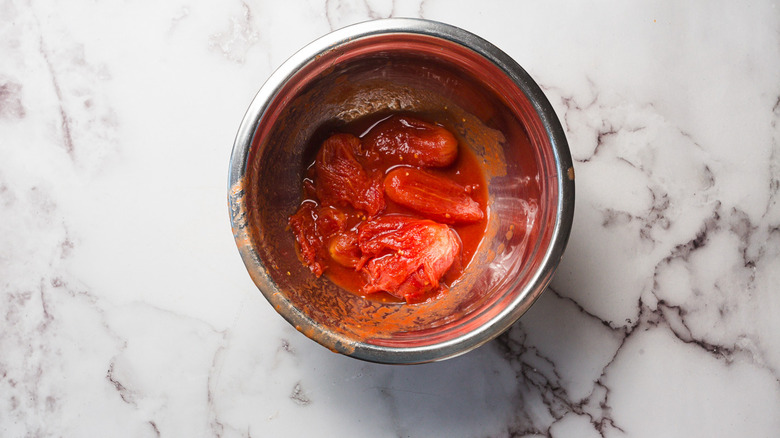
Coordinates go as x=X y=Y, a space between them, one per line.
x=345 y=250
x=310 y=226
x=406 y=256
x=342 y=180
x=435 y=197
x=408 y=140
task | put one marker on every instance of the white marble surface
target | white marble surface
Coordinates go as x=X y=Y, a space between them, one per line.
x=125 y=309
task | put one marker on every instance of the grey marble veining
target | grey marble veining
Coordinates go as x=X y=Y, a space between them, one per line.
x=126 y=311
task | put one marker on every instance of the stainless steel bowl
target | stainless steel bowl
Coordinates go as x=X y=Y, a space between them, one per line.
x=494 y=108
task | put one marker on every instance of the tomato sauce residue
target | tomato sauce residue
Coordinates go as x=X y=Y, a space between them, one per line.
x=393 y=209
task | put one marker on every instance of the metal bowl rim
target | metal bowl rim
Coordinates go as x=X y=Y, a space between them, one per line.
x=563 y=164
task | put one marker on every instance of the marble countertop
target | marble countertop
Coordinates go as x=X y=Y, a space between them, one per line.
x=125 y=309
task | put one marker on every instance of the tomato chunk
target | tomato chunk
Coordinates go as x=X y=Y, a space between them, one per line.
x=341 y=180
x=405 y=256
x=436 y=197
x=404 y=139
x=344 y=249
x=311 y=226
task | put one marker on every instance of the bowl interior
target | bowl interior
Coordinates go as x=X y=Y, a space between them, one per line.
x=489 y=114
